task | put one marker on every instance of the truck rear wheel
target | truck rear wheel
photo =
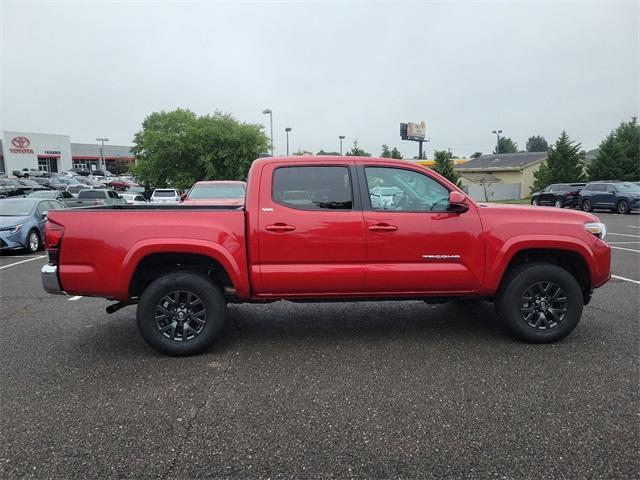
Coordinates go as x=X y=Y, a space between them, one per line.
x=540 y=302
x=181 y=314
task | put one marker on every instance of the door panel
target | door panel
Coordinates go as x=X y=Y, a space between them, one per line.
x=425 y=251
x=309 y=241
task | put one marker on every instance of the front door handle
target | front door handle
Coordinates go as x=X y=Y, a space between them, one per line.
x=280 y=227
x=383 y=227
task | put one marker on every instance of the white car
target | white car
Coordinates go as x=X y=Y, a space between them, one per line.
x=133 y=199
x=165 y=195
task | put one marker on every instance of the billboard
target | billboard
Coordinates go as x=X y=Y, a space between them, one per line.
x=413 y=131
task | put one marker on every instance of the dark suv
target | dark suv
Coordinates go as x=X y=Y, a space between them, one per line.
x=621 y=197
x=559 y=195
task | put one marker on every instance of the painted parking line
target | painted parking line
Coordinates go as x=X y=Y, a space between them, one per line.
x=633 y=226
x=620 y=243
x=73 y=299
x=626 y=249
x=623 y=235
x=625 y=279
x=22 y=261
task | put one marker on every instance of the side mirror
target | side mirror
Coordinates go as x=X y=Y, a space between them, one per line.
x=457 y=202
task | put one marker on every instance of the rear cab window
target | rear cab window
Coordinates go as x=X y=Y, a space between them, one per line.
x=313 y=187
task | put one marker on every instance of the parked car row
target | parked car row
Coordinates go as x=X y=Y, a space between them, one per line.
x=621 y=197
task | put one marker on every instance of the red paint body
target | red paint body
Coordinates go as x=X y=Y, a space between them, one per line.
x=271 y=251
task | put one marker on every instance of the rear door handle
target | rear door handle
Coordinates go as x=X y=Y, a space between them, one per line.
x=383 y=227
x=280 y=227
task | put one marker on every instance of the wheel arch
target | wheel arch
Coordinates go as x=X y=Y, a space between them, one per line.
x=152 y=259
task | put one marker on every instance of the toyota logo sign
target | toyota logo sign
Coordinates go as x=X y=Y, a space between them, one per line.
x=20 y=142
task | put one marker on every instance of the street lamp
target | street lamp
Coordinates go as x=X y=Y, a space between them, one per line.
x=341 y=137
x=497 y=132
x=287 y=129
x=102 y=140
x=270 y=113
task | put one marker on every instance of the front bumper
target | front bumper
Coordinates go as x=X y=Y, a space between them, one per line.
x=50 y=281
x=10 y=242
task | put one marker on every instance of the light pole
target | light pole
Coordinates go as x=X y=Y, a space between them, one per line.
x=287 y=129
x=102 y=162
x=497 y=132
x=268 y=111
x=341 y=137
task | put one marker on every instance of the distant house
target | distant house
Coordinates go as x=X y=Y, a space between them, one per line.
x=502 y=176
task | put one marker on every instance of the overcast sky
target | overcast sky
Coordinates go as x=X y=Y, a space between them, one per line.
x=91 y=69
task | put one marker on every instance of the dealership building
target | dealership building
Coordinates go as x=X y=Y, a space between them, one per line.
x=55 y=153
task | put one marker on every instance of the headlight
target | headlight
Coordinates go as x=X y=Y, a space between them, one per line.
x=12 y=230
x=596 y=228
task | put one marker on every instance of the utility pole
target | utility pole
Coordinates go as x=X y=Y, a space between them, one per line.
x=103 y=164
x=341 y=137
x=497 y=132
x=287 y=129
x=270 y=113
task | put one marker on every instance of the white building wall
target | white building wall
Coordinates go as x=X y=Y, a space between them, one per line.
x=21 y=150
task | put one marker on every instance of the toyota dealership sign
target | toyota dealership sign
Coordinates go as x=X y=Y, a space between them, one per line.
x=21 y=145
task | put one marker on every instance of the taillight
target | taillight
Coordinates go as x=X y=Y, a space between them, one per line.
x=53 y=233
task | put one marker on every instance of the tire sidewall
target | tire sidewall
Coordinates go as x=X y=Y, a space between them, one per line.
x=623 y=206
x=558 y=203
x=210 y=295
x=508 y=304
x=586 y=205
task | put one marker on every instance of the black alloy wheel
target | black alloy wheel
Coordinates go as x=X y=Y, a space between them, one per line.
x=543 y=305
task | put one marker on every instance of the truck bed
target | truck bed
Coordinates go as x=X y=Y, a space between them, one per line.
x=102 y=245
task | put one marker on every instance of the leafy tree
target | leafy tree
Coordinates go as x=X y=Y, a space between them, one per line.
x=322 y=152
x=561 y=166
x=395 y=153
x=506 y=145
x=475 y=155
x=618 y=156
x=119 y=166
x=444 y=166
x=386 y=153
x=537 y=143
x=357 y=151
x=179 y=148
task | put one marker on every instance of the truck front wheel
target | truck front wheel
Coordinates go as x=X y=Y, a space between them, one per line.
x=540 y=302
x=181 y=314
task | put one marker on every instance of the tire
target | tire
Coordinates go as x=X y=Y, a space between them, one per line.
x=33 y=241
x=184 y=329
x=623 y=206
x=586 y=205
x=539 y=321
x=534 y=202
x=558 y=203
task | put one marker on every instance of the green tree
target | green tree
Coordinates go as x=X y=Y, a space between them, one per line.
x=179 y=148
x=119 y=166
x=562 y=164
x=322 y=152
x=357 y=151
x=395 y=153
x=618 y=156
x=537 y=143
x=506 y=145
x=475 y=155
x=444 y=166
x=386 y=153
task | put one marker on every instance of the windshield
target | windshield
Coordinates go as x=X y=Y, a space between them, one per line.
x=216 y=191
x=164 y=193
x=16 y=208
x=628 y=187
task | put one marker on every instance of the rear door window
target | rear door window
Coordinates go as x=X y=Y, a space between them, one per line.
x=313 y=187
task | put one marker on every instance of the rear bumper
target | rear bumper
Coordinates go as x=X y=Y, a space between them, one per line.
x=50 y=281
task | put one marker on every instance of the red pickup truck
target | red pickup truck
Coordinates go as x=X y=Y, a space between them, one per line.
x=315 y=228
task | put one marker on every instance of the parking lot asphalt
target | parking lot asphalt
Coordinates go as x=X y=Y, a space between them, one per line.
x=395 y=389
